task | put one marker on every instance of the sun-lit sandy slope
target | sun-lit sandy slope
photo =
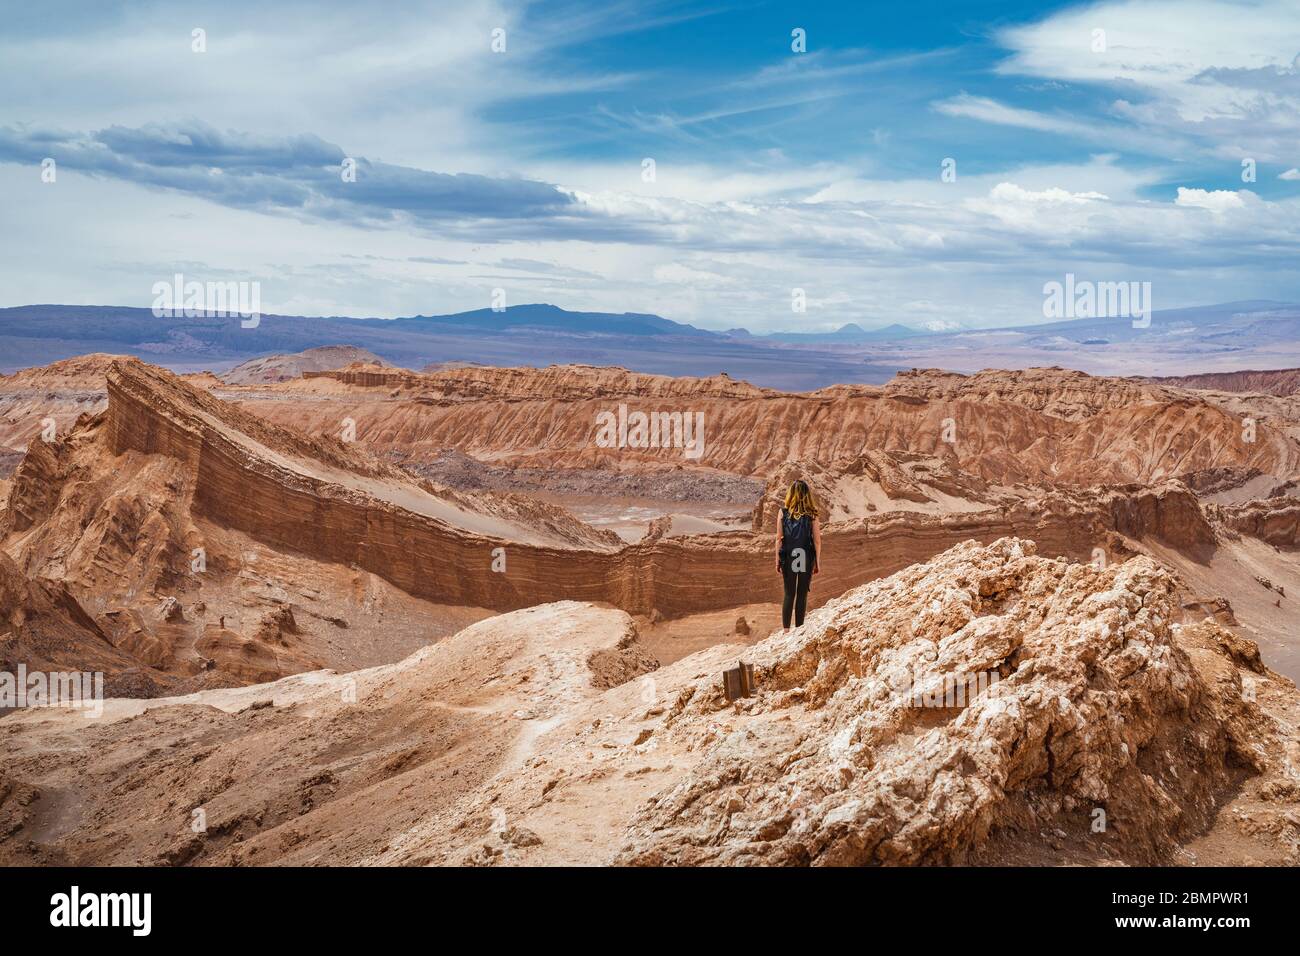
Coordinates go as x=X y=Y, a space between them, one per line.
x=1251 y=580
x=547 y=736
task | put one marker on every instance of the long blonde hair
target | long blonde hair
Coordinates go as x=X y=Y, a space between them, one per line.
x=799 y=500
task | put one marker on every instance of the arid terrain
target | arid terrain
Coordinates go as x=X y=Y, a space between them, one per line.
x=348 y=612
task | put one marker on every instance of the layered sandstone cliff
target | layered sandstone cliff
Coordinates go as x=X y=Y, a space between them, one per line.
x=172 y=496
x=1275 y=520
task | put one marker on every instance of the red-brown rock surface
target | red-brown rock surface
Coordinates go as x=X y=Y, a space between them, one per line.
x=1282 y=381
x=1049 y=426
x=43 y=628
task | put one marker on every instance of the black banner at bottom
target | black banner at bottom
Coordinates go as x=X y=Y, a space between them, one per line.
x=337 y=905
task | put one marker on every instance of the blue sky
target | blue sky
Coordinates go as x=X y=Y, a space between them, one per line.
x=1115 y=156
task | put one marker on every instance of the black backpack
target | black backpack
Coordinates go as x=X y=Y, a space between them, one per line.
x=796 y=534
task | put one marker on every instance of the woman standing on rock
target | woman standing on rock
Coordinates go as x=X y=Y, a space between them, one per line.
x=798 y=548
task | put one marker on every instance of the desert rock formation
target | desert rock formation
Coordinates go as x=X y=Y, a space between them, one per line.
x=284 y=368
x=291 y=520
x=1279 y=382
x=1049 y=426
x=171 y=494
x=544 y=736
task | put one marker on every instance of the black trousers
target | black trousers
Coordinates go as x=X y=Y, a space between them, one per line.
x=796 y=596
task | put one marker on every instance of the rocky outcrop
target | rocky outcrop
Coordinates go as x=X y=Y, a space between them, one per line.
x=876 y=482
x=579 y=382
x=1058 y=392
x=34 y=487
x=989 y=706
x=1168 y=512
x=1275 y=520
x=35 y=401
x=255 y=658
x=611 y=666
x=44 y=628
x=872 y=741
x=111 y=529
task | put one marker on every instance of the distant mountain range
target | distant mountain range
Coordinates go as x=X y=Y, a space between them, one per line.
x=212 y=335
x=537 y=334
x=1247 y=320
x=552 y=318
x=1228 y=337
x=1258 y=334
x=851 y=332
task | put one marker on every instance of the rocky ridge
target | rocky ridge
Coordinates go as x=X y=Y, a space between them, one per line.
x=1038 y=426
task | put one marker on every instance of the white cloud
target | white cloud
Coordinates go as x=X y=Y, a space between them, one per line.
x=1011 y=193
x=991 y=111
x=1215 y=200
x=1291 y=174
x=1222 y=73
x=408 y=84
x=1099 y=173
x=1158 y=44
